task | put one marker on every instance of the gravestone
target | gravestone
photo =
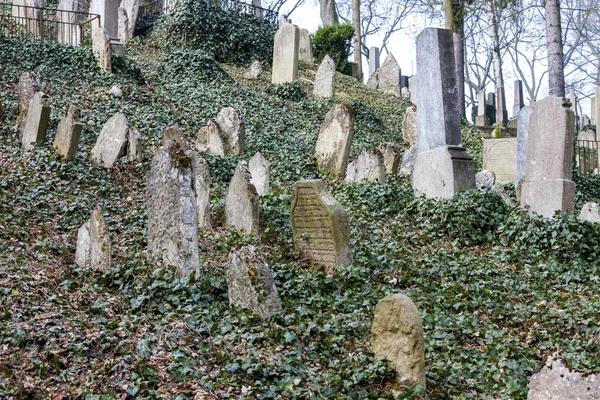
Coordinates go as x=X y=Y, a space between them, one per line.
x=250 y=282
x=335 y=139
x=210 y=140
x=132 y=8
x=101 y=49
x=202 y=183
x=82 y=252
x=557 y=381
x=135 y=148
x=373 y=60
x=391 y=157
x=501 y=111
x=112 y=141
x=522 y=139
x=409 y=125
x=36 y=121
x=405 y=93
x=123 y=25
x=500 y=156
x=408 y=161
x=173 y=208
x=485 y=179
x=27 y=13
x=369 y=166
x=325 y=78
x=482 y=119
x=93 y=243
x=175 y=133
x=258 y=9
x=29 y=84
x=412 y=86
x=404 y=81
x=585 y=120
x=255 y=70
x=588 y=135
x=491 y=99
x=387 y=78
x=260 y=169
x=285 y=54
x=68 y=134
x=518 y=96
x=442 y=167
x=573 y=100
x=547 y=185
x=320 y=225
x=305 y=52
x=232 y=130
x=590 y=212
x=397 y=336
x=108 y=10
x=241 y=202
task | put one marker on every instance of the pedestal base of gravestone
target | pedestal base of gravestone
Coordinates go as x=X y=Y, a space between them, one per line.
x=442 y=172
x=558 y=194
x=482 y=120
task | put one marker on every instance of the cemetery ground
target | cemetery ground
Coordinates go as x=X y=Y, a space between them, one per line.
x=497 y=289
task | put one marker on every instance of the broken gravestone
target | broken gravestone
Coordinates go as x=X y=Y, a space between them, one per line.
x=391 y=157
x=255 y=70
x=29 y=84
x=556 y=381
x=250 y=282
x=590 y=212
x=485 y=179
x=210 y=141
x=241 y=202
x=397 y=336
x=409 y=125
x=335 y=139
x=36 y=122
x=67 y=134
x=260 y=168
x=112 y=141
x=320 y=225
x=175 y=133
x=369 y=166
x=408 y=161
x=325 y=78
x=93 y=243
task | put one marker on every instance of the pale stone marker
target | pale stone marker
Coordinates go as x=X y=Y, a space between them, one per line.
x=588 y=135
x=409 y=125
x=101 y=49
x=108 y=11
x=501 y=111
x=232 y=130
x=112 y=141
x=202 y=183
x=518 y=96
x=29 y=84
x=173 y=209
x=500 y=156
x=412 y=86
x=82 y=252
x=491 y=100
x=132 y=8
x=27 y=12
x=573 y=100
x=68 y=29
x=115 y=91
x=123 y=25
x=369 y=166
x=481 y=119
x=442 y=166
x=175 y=133
x=68 y=134
x=36 y=121
x=590 y=212
x=556 y=381
x=135 y=148
x=250 y=282
x=387 y=78
x=305 y=52
x=285 y=54
x=335 y=139
x=325 y=78
x=93 y=243
x=255 y=70
x=241 y=202
x=260 y=169
x=547 y=186
x=397 y=336
x=373 y=60
x=485 y=179
x=408 y=161
x=391 y=157
x=320 y=225
x=522 y=139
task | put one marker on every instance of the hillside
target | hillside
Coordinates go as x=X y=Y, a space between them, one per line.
x=497 y=289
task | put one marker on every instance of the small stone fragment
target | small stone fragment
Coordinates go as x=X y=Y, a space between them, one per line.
x=590 y=212
x=175 y=133
x=485 y=179
x=115 y=91
x=255 y=70
x=556 y=381
x=409 y=125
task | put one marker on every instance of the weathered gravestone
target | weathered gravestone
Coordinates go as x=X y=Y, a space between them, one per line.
x=500 y=156
x=547 y=185
x=573 y=99
x=590 y=212
x=501 y=111
x=522 y=139
x=387 y=78
x=29 y=84
x=70 y=14
x=232 y=130
x=250 y=282
x=27 y=13
x=285 y=54
x=305 y=51
x=588 y=135
x=482 y=119
x=596 y=102
x=335 y=139
x=412 y=86
x=255 y=70
x=260 y=169
x=391 y=157
x=241 y=202
x=408 y=161
x=177 y=192
x=442 y=166
x=369 y=166
x=556 y=381
x=108 y=10
x=325 y=78
x=68 y=134
x=123 y=25
x=485 y=179
x=210 y=141
x=135 y=148
x=409 y=125
x=36 y=122
x=112 y=141
x=320 y=225
x=175 y=133
x=93 y=243
x=132 y=8
x=518 y=97
x=101 y=49
x=397 y=336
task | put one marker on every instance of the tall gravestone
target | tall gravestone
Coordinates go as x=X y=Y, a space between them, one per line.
x=285 y=54
x=442 y=166
x=232 y=129
x=67 y=134
x=320 y=225
x=501 y=112
x=547 y=186
x=305 y=52
x=518 y=96
x=29 y=84
x=325 y=78
x=373 y=60
x=241 y=202
x=481 y=119
x=36 y=122
x=132 y=8
x=523 y=118
x=387 y=78
x=69 y=17
x=335 y=139
x=108 y=10
x=101 y=49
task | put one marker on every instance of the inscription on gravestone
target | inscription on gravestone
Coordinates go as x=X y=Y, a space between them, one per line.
x=500 y=156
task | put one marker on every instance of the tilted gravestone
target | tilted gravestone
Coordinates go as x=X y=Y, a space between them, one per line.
x=369 y=166
x=123 y=25
x=523 y=118
x=232 y=130
x=557 y=381
x=500 y=156
x=250 y=282
x=29 y=84
x=112 y=141
x=255 y=70
x=36 y=121
x=68 y=134
x=409 y=125
x=260 y=169
x=442 y=166
x=93 y=243
x=391 y=157
x=547 y=185
x=320 y=225
x=241 y=202
x=132 y=8
x=285 y=54
x=397 y=336
x=305 y=51
x=335 y=139
x=101 y=49
x=325 y=78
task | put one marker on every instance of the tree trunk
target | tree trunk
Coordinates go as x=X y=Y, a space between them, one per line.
x=357 y=37
x=328 y=12
x=454 y=22
x=556 y=73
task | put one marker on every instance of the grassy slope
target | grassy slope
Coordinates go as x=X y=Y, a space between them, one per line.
x=496 y=289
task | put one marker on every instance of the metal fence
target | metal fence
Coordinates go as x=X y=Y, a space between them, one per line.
x=47 y=24
x=586 y=156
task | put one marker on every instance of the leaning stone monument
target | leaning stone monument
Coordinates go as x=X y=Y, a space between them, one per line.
x=320 y=225
x=285 y=54
x=29 y=84
x=442 y=166
x=112 y=141
x=335 y=139
x=36 y=122
x=67 y=134
x=547 y=186
x=387 y=78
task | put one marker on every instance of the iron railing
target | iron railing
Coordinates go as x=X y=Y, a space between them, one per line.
x=47 y=24
x=586 y=156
